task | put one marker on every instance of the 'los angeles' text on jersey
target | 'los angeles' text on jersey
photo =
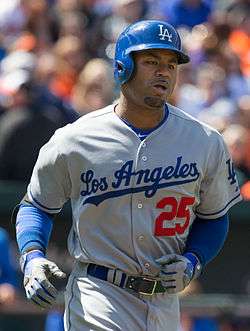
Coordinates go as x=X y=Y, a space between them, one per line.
x=154 y=179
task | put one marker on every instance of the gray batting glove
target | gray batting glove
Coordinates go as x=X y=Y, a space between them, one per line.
x=37 y=272
x=176 y=272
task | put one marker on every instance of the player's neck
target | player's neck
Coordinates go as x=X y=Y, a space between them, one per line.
x=138 y=116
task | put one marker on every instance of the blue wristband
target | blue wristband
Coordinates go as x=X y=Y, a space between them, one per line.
x=194 y=260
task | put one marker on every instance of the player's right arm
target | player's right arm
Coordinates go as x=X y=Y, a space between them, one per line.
x=48 y=190
x=33 y=229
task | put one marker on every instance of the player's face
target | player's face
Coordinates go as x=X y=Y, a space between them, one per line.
x=154 y=78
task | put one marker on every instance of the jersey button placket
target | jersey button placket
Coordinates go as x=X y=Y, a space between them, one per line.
x=140 y=238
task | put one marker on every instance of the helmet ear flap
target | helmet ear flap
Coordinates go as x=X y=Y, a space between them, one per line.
x=123 y=69
x=119 y=70
x=119 y=67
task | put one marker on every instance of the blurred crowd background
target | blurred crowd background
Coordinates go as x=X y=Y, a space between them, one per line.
x=56 y=59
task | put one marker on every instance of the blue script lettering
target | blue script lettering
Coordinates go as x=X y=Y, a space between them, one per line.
x=125 y=177
x=93 y=184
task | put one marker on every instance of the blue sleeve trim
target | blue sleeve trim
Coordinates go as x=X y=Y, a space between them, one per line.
x=33 y=228
x=219 y=211
x=207 y=237
x=44 y=207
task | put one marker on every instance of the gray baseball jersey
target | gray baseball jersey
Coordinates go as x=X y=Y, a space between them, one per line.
x=133 y=201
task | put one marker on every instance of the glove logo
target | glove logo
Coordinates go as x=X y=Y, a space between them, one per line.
x=164 y=33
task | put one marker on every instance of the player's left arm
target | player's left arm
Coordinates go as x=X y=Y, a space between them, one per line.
x=219 y=191
x=205 y=240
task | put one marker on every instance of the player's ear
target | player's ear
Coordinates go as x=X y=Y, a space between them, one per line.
x=135 y=65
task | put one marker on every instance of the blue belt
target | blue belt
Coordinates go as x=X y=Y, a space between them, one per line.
x=141 y=285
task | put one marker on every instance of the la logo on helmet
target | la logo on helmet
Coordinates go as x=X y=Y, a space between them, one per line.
x=164 y=33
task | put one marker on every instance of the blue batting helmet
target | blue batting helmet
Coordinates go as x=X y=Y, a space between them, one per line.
x=142 y=35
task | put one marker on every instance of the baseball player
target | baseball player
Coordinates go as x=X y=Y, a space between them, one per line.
x=150 y=188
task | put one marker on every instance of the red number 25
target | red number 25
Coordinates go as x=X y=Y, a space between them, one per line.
x=178 y=209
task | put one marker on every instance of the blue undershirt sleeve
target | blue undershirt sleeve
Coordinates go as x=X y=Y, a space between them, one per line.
x=33 y=228
x=207 y=237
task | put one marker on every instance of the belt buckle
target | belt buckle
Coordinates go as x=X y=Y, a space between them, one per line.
x=153 y=288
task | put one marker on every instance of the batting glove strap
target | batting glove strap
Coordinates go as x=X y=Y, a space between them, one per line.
x=195 y=262
x=26 y=257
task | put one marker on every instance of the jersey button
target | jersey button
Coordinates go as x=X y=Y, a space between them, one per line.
x=144 y=158
x=147 y=265
x=139 y=205
x=144 y=145
x=141 y=237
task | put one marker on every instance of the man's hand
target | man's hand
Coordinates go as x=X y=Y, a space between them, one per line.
x=176 y=272
x=37 y=272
